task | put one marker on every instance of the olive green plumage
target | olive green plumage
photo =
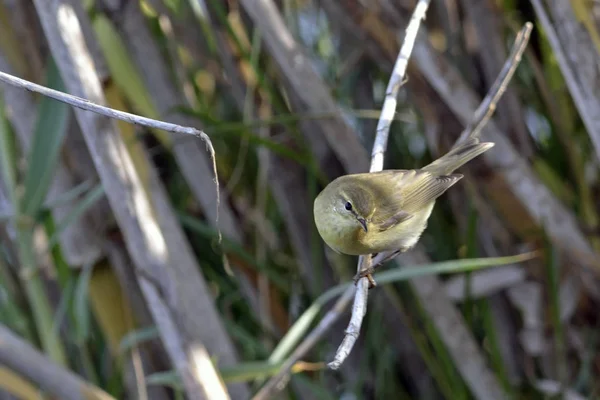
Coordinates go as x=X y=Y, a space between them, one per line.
x=388 y=210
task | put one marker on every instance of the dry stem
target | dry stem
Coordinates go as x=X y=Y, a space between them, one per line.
x=116 y=114
x=383 y=129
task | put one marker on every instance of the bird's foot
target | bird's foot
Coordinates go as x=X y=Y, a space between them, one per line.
x=366 y=273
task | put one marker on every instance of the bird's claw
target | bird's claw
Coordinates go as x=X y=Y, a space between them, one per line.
x=366 y=273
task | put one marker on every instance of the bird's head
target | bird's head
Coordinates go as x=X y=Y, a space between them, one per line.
x=341 y=211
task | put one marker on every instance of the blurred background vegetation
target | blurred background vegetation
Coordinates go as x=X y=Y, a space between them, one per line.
x=289 y=92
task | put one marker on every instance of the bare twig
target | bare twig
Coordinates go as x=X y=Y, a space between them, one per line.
x=116 y=114
x=20 y=357
x=487 y=24
x=546 y=210
x=80 y=240
x=379 y=147
x=488 y=104
x=359 y=309
x=102 y=110
x=362 y=287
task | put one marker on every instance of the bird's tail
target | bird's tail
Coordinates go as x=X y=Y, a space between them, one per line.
x=459 y=155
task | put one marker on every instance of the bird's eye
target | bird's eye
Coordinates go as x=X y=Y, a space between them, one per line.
x=348 y=206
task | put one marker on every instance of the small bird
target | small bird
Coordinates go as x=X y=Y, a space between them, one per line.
x=387 y=211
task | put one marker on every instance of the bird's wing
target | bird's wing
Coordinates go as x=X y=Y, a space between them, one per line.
x=406 y=193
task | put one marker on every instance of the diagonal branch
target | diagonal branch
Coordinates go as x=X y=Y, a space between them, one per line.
x=488 y=105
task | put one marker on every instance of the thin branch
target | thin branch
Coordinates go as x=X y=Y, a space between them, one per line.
x=102 y=110
x=359 y=309
x=362 y=286
x=379 y=147
x=23 y=359
x=120 y=115
x=481 y=117
x=488 y=105
x=389 y=105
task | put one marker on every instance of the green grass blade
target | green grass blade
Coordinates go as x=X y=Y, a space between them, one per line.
x=138 y=337
x=7 y=158
x=249 y=371
x=122 y=68
x=297 y=331
x=69 y=196
x=49 y=132
x=166 y=378
x=63 y=306
x=81 y=306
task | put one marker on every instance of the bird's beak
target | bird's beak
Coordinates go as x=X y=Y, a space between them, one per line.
x=363 y=222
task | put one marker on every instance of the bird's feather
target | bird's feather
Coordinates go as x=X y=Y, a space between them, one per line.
x=402 y=193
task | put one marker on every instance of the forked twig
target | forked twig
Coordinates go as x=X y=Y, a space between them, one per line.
x=481 y=117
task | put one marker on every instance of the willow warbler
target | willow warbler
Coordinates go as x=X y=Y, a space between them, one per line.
x=375 y=212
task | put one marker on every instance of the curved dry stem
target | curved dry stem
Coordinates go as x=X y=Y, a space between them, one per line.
x=120 y=115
